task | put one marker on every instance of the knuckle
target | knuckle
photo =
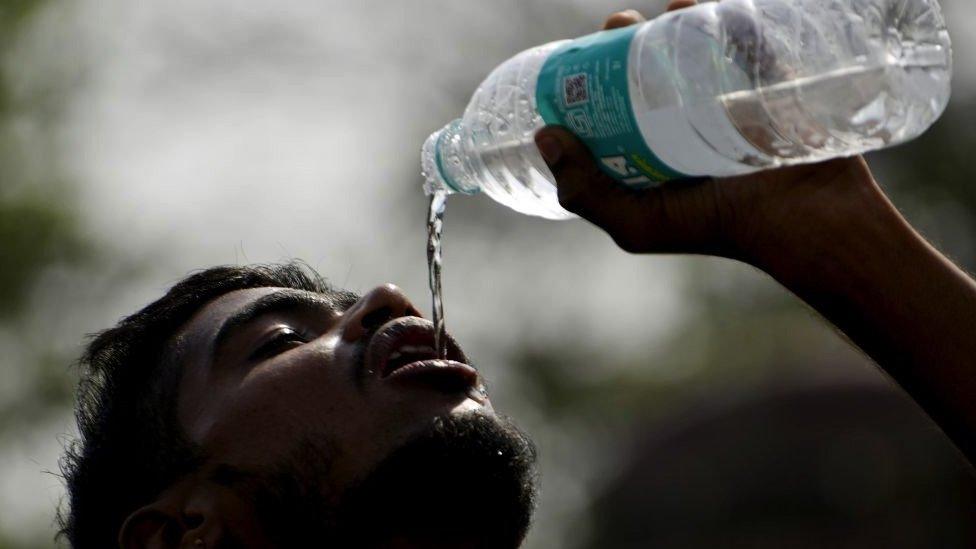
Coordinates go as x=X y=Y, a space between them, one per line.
x=571 y=192
x=572 y=203
x=629 y=242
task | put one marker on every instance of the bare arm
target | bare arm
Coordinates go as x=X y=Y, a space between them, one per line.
x=866 y=270
x=829 y=234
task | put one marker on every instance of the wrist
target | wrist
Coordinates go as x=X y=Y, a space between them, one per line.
x=804 y=219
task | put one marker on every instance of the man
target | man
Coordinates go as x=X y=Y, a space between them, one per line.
x=258 y=407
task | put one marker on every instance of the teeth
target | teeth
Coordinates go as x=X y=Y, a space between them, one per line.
x=416 y=349
x=407 y=354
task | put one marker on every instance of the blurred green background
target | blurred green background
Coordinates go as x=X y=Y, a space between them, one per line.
x=677 y=402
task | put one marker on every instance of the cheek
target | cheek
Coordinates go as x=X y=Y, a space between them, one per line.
x=306 y=393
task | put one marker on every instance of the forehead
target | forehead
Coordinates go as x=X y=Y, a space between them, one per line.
x=205 y=323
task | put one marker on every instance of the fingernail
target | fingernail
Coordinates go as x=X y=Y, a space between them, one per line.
x=550 y=148
x=635 y=14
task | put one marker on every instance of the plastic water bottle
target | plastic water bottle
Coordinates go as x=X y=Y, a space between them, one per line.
x=720 y=89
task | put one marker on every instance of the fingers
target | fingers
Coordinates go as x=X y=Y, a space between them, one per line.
x=579 y=181
x=680 y=4
x=631 y=17
x=623 y=19
x=588 y=192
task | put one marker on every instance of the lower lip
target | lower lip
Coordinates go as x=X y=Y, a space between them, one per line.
x=465 y=376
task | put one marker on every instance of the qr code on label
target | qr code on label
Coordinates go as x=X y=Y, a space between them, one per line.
x=575 y=89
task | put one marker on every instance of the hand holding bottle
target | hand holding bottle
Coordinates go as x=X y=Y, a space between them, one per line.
x=746 y=217
x=828 y=234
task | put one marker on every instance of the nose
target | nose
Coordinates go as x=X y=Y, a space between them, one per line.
x=379 y=306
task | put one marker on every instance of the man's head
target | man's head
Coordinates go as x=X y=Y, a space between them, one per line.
x=259 y=407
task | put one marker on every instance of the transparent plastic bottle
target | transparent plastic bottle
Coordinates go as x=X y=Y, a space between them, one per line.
x=724 y=88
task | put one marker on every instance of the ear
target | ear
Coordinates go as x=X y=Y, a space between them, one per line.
x=152 y=527
x=168 y=521
x=188 y=515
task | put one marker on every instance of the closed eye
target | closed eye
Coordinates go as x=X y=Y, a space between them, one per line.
x=283 y=339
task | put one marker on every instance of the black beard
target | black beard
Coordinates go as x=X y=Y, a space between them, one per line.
x=467 y=482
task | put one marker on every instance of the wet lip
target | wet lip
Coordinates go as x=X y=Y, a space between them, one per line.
x=403 y=350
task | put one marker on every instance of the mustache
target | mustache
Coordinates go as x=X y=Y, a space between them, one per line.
x=359 y=371
x=359 y=357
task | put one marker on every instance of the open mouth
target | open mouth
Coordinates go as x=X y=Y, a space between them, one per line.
x=402 y=350
x=407 y=355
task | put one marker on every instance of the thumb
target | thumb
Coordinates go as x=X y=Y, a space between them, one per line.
x=582 y=186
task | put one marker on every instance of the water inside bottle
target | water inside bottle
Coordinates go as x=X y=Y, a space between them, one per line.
x=842 y=112
x=435 y=226
x=838 y=113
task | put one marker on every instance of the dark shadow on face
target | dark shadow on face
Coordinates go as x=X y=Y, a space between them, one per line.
x=468 y=482
x=289 y=395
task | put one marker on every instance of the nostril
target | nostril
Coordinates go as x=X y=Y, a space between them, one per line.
x=375 y=319
x=192 y=521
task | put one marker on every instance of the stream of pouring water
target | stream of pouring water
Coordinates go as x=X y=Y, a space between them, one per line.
x=435 y=224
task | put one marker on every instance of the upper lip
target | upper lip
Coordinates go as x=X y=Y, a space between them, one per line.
x=412 y=332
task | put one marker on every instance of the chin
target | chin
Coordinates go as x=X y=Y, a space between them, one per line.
x=411 y=498
x=469 y=456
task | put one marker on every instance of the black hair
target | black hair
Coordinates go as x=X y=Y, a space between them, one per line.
x=131 y=446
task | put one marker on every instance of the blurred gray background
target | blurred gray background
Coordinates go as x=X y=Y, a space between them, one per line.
x=677 y=402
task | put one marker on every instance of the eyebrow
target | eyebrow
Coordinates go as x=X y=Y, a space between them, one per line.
x=280 y=301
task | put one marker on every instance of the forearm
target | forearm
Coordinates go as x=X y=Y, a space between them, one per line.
x=868 y=272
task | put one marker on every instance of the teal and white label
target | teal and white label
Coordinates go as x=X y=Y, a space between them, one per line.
x=583 y=86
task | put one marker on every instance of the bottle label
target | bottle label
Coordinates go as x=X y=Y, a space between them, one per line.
x=583 y=86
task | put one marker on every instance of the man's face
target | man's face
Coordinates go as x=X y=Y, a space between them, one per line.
x=282 y=384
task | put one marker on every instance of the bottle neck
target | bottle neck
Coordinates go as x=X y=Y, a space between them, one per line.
x=445 y=162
